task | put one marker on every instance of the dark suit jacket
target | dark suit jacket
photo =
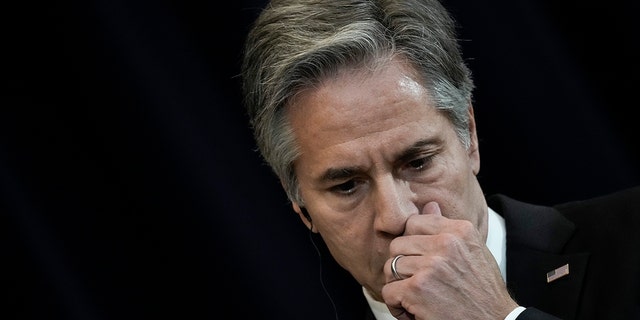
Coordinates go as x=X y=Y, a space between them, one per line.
x=600 y=241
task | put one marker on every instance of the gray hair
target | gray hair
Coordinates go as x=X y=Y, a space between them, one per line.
x=295 y=44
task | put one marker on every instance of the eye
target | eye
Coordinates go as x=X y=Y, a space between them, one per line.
x=346 y=188
x=419 y=164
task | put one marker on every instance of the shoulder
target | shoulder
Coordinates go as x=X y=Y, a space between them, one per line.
x=594 y=222
x=622 y=206
x=605 y=220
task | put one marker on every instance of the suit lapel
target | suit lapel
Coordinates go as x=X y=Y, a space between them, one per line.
x=526 y=278
x=536 y=236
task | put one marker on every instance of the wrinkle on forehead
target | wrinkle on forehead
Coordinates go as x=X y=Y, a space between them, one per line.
x=357 y=102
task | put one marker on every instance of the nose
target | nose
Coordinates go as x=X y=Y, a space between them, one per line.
x=394 y=202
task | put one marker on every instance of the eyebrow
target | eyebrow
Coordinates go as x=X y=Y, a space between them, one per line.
x=338 y=174
x=335 y=174
x=416 y=148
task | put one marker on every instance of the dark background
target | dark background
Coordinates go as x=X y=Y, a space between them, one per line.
x=129 y=185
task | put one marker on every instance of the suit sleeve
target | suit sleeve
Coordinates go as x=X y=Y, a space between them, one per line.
x=535 y=314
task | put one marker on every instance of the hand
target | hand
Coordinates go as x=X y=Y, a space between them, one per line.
x=448 y=271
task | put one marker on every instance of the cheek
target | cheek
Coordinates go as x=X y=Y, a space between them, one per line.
x=451 y=190
x=342 y=230
x=347 y=243
x=346 y=229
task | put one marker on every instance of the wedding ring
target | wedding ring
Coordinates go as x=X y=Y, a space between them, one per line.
x=394 y=271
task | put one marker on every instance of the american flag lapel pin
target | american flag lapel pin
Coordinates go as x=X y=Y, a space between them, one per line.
x=557 y=273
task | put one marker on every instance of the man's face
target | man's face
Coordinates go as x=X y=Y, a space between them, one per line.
x=374 y=151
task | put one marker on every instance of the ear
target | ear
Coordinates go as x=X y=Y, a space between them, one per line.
x=474 y=148
x=303 y=216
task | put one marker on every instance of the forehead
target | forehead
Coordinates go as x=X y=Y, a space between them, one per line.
x=357 y=105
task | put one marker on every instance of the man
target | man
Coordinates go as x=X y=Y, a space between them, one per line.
x=363 y=110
